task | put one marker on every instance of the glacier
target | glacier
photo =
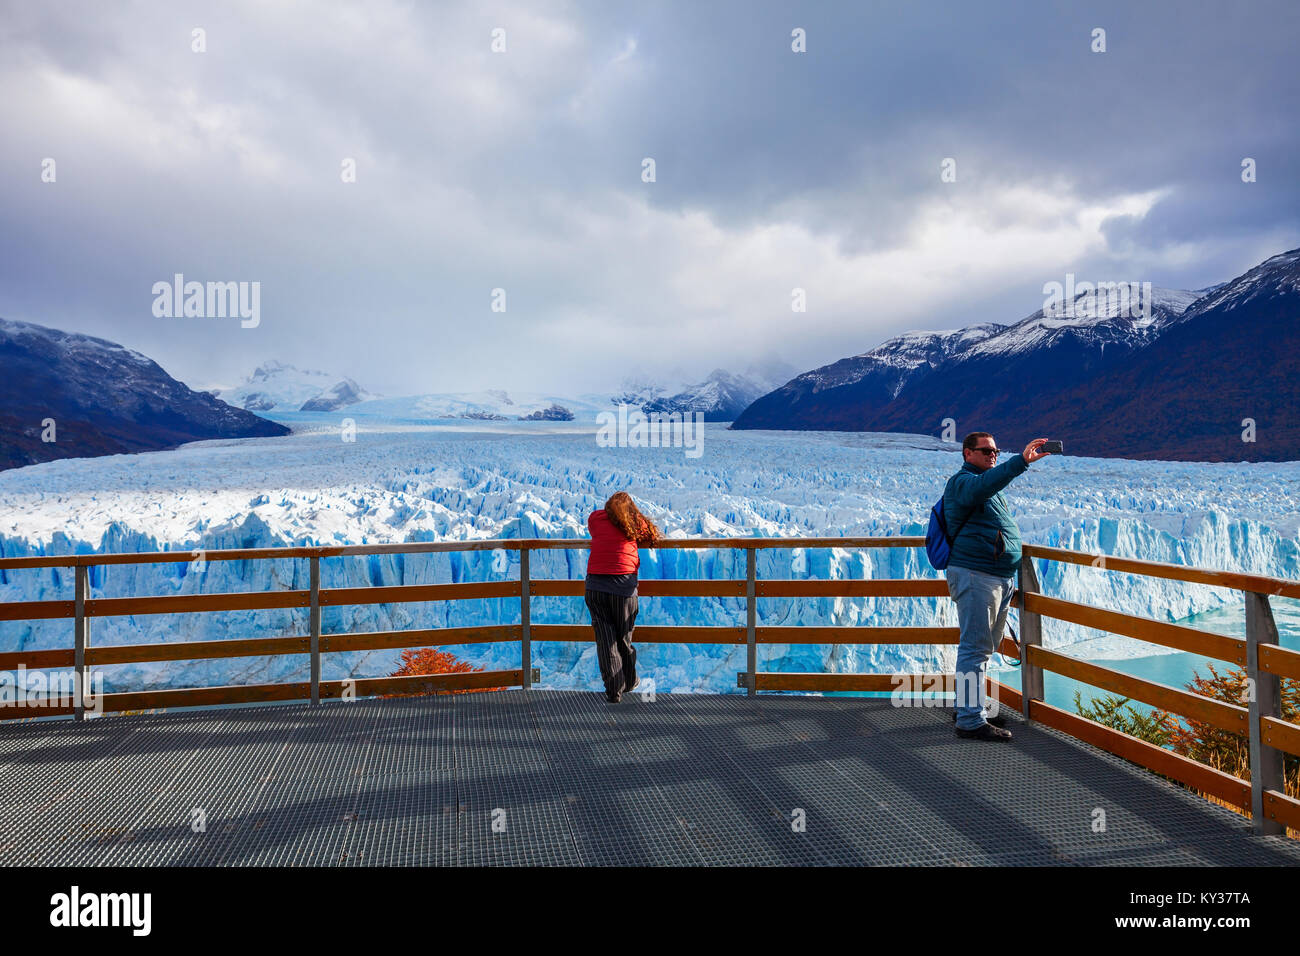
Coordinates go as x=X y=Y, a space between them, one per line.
x=446 y=481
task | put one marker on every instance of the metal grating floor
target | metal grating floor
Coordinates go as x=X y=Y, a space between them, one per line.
x=563 y=778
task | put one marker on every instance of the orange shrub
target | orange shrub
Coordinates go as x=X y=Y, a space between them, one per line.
x=429 y=660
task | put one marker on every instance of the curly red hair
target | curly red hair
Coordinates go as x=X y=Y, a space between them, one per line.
x=627 y=517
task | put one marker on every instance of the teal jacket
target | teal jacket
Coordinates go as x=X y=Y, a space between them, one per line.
x=975 y=510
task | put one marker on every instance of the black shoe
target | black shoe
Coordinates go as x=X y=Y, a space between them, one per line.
x=984 y=731
x=998 y=721
x=614 y=698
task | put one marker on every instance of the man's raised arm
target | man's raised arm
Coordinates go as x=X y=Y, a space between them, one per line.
x=971 y=490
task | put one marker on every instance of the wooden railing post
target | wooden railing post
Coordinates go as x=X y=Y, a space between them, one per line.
x=80 y=638
x=751 y=623
x=1031 y=634
x=1265 y=692
x=525 y=622
x=315 y=630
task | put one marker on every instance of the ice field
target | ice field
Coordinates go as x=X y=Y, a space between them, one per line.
x=470 y=480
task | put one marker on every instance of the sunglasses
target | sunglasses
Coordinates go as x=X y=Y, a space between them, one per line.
x=991 y=452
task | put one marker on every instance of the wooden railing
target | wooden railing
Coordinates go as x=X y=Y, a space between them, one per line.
x=1258 y=719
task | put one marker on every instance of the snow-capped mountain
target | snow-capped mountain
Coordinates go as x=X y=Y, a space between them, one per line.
x=65 y=395
x=1092 y=320
x=1222 y=383
x=913 y=382
x=280 y=387
x=1180 y=375
x=1273 y=279
x=996 y=383
x=638 y=390
x=720 y=397
x=338 y=395
x=835 y=396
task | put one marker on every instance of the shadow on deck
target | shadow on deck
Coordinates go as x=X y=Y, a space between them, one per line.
x=571 y=780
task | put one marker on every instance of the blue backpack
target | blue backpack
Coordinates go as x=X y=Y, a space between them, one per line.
x=938 y=543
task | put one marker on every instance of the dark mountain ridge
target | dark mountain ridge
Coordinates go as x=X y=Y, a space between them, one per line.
x=103 y=399
x=1177 y=382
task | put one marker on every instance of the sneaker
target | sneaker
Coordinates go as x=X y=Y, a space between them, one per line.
x=984 y=731
x=999 y=721
x=614 y=698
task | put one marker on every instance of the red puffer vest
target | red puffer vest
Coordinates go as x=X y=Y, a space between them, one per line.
x=611 y=552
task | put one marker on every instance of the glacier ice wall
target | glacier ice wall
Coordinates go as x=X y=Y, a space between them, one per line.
x=541 y=480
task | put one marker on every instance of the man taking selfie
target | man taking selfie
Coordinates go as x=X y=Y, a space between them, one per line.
x=981 y=569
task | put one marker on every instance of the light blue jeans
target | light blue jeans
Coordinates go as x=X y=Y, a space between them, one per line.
x=983 y=601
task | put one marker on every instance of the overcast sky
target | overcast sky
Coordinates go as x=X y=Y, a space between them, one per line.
x=522 y=170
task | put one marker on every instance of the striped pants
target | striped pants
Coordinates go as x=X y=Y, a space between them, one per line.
x=613 y=617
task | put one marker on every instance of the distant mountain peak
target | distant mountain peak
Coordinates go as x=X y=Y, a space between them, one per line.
x=276 y=385
x=720 y=396
x=1100 y=316
x=274 y=367
x=339 y=395
x=922 y=346
x=1277 y=275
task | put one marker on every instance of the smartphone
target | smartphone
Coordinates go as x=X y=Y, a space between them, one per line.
x=1051 y=448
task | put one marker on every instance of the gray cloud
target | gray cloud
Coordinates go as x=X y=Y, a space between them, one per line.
x=521 y=170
